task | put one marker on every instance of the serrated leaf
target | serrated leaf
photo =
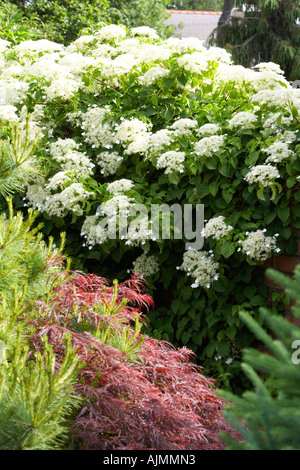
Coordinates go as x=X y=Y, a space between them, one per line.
x=223 y=347
x=231 y=332
x=173 y=178
x=227 y=249
x=284 y=214
x=213 y=188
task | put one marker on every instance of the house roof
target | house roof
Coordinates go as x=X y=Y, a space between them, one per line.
x=194 y=12
x=197 y=24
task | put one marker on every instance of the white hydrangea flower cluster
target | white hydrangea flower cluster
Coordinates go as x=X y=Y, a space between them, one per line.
x=263 y=174
x=207 y=146
x=208 y=129
x=135 y=133
x=12 y=91
x=139 y=144
x=233 y=73
x=195 y=62
x=97 y=131
x=271 y=121
x=65 y=151
x=109 y=162
x=153 y=74
x=258 y=246
x=138 y=232
x=103 y=50
x=111 y=32
x=278 y=152
x=159 y=140
x=117 y=205
x=183 y=44
x=81 y=44
x=66 y=200
x=200 y=265
x=62 y=147
x=268 y=79
x=151 y=53
x=48 y=67
x=146 y=265
x=37 y=194
x=112 y=69
x=8 y=113
x=60 y=179
x=262 y=78
x=38 y=46
x=119 y=186
x=4 y=44
x=144 y=31
x=269 y=67
x=116 y=210
x=129 y=46
x=287 y=137
x=218 y=54
x=184 y=126
x=9 y=71
x=77 y=63
x=243 y=119
x=40 y=197
x=96 y=232
x=130 y=129
x=171 y=161
x=63 y=88
x=281 y=98
x=216 y=228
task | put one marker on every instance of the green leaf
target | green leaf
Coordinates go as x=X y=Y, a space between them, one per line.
x=227 y=195
x=260 y=194
x=203 y=190
x=173 y=178
x=227 y=249
x=284 y=214
x=139 y=168
x=269 y=217
x=213 y=188
x=294 y=111
x=296 y=210
x=211 y=163
x=86 y=80
x=231 y=332
x=250 y=291
x=219 y=286
x=223 y=347
x=186 y=336
x=291 y=181
x=210 y=349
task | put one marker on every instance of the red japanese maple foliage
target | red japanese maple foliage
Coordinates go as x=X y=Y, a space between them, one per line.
x=158 y=400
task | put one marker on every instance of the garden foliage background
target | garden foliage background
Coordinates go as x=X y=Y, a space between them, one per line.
x=121 y=117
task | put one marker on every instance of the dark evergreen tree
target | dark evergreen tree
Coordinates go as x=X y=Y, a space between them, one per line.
x=225 y=12
x=264 y=31
x=268 y=417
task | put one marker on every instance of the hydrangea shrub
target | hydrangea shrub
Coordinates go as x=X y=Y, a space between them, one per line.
x=126 y=118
